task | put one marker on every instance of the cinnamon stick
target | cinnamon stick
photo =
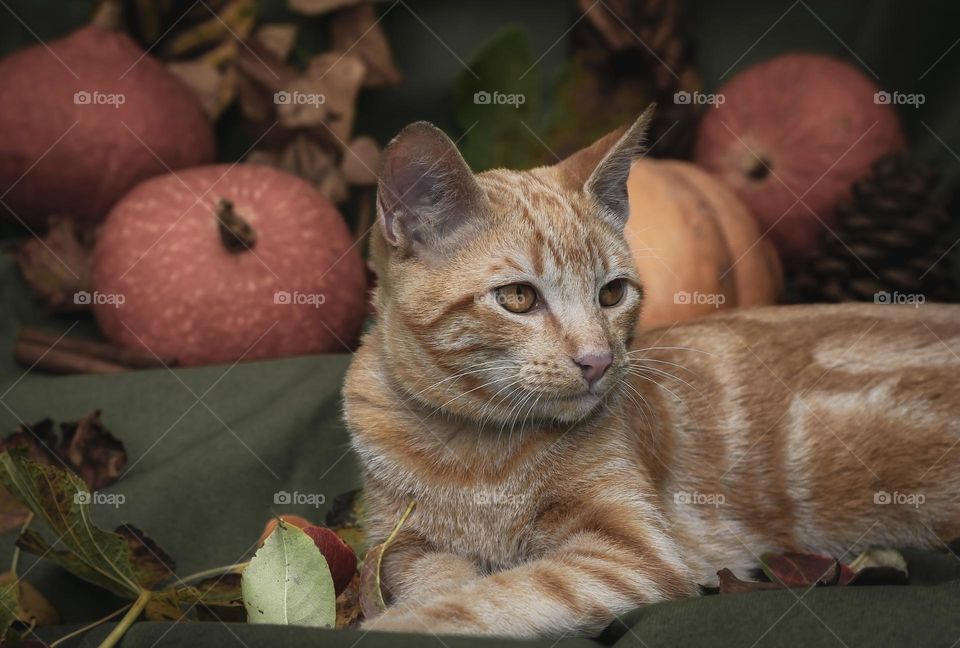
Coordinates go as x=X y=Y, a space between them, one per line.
x=57 y=360
x=132 y=358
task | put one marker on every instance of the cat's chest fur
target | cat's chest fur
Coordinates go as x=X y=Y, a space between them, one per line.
x=477 y=513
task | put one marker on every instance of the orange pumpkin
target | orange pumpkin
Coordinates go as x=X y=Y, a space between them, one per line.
x=695 y=244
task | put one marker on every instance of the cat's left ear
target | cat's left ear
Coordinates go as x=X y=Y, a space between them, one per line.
x=602 y=169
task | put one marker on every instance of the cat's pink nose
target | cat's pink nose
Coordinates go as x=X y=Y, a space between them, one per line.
x=594 y=365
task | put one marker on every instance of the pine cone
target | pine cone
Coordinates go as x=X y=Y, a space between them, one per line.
x=889 y=238
x=645 y=47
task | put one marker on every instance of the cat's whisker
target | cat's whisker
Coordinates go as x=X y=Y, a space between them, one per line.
x=670 y=348
x=493 y=365
x=462 y=394
x=491 y=406
x=666 y=362
x=634 y=369
x=642 y=405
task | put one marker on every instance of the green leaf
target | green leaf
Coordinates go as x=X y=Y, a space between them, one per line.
x=498 y=134
x=288 y=582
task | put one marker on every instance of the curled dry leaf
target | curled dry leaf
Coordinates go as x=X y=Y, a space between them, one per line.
x=57 y=266
x=92 y=451
x=302 y=103
x=319 y=7
x=207 y=82
x=804 y=570
x=278 y=39
x=357 y=30
x=371 y=593
x=360 y=161
x=730 y=584
x=877 y=566
x=32 y=608
x=305 y=157
x=341 y=76
x=880 y=566
x=348 y=604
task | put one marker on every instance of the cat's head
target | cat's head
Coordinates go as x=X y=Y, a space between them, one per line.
x=506 y=296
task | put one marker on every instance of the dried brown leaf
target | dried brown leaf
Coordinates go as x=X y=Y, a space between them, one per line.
x=207 y=82
x=152 y=564
x=348 y=604
x=33 y=608
x=319 y=7
x=301 y=104
x=57 y=266
x=730 y=584
x=278 y=39
x=341 y=76
x=357 y=30
x=360 y=161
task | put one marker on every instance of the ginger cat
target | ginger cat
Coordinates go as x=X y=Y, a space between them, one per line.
x=565 y=469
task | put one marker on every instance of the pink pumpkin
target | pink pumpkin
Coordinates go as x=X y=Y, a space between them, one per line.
x=815 y=123
x=173 y=273
x=85 y=118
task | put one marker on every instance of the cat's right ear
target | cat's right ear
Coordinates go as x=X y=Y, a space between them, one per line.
x=427 y=196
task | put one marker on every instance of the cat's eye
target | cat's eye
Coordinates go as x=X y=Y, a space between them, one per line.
x=612 y=293
x=516 y=298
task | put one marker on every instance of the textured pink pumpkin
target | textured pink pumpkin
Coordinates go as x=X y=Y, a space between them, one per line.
x=815 y=124
x=82 y=125
x=168 y=276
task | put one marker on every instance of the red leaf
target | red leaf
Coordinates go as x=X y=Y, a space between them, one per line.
x=805 y=570
x=730 y=584
x=340 y=557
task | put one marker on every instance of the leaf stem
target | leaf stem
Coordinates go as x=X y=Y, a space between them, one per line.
x=15 y=560
x=117 y=633
x=214 y=571
x=87 y=627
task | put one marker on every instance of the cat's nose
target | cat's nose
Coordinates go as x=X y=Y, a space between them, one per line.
x=594 y=365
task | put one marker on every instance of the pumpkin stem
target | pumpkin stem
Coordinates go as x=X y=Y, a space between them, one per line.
x=760 y=168
x=108 y=16
x=236 y=233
